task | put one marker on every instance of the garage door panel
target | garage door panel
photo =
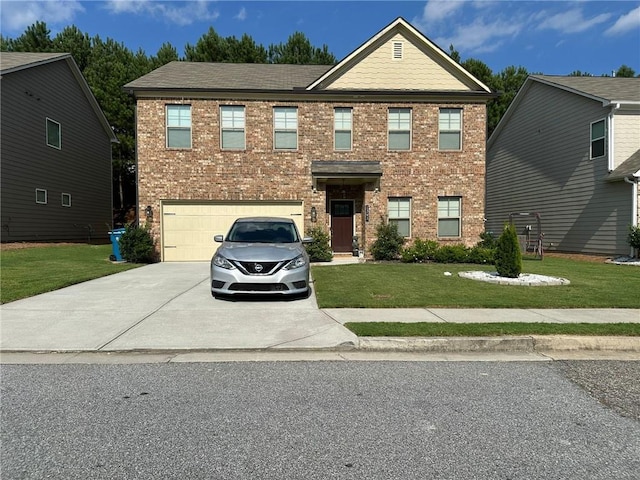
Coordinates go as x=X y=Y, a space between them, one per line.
x=188 y=229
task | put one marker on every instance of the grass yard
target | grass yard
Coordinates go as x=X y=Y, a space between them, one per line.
x=400 y=285
x=25 y=272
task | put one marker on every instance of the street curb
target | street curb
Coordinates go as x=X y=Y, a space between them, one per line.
x=530 y=343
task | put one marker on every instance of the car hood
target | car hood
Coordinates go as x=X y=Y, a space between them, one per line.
x=260 y=252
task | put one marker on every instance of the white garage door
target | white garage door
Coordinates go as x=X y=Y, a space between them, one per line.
x=188 y=228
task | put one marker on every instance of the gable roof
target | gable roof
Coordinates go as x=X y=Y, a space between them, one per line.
x=607 y=90
x=11 y=62
x=629 y=168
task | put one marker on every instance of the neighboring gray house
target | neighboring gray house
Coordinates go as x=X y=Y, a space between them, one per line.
x=56 y=151
x=568 y=149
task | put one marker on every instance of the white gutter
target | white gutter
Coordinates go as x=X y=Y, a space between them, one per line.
x=611 y=149
x=634 y=204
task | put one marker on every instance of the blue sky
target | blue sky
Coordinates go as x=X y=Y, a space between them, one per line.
x=548 y=37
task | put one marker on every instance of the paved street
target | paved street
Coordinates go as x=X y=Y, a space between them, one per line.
x=318 y=420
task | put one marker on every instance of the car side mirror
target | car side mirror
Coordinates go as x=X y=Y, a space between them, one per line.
x=218 y=238
x=307 y=240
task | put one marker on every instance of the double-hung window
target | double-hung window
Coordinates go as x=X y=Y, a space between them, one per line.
x=178 y=126
x=343 y=127
x=54 y=134
x=449 y=218
x=399 y=128
x=66 y=200
x=232 y=135
x=399 y=211
x=598 y=135
x=41 y=196
x=450 y=129
x=285 y=128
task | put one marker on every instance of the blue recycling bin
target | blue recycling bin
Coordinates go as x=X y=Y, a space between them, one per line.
x=115 y=235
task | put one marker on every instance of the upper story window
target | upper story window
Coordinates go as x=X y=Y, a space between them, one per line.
x=399 y=211
x=598 y=135
x=449 y=217
x=285 y=128
x=232 y=133
x=66 y=200
x=41 y=196
x=54 y=134
x=450 y=129
x=342 y=125
x=178 y=126
x=399 y=129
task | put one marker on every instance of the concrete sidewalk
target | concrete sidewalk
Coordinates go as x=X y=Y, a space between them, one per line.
x=167 y=308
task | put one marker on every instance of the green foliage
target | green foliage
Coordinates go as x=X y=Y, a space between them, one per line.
x=298 y=50
x=487 y=240
x=421 y=251
x=634 y=237
x=389 y=242
x=482 y=255
x=136 y=245
x=320 y=249
x=508 y=255
x=452 y=254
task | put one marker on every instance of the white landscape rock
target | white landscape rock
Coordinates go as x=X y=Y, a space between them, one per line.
x=524 y=279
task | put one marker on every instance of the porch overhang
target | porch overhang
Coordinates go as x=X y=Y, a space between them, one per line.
x=348 y=172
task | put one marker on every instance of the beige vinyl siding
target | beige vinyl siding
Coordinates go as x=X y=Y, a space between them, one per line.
x=540 y=163
x=417 y=70
x=188 y=228
x=81 y=168
x=626 y=135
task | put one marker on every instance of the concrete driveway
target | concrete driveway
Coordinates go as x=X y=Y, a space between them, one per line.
x=163 y=306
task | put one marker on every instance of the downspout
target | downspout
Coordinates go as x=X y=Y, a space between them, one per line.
x=634 y=204
x=610 y=137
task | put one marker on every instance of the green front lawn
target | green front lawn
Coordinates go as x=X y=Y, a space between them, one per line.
x=30 y=271
x=400 y=285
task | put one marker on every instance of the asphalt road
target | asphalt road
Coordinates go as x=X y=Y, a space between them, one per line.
x=320 y=420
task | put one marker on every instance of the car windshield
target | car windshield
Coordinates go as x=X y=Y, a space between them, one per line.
x=263 y=232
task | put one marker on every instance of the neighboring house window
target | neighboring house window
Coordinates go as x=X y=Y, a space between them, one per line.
x=66 y=199
x=450 y=129
x=342 y=121
x=399 y=128
x=449 y=216
x=285 y=128
x=41 y=196
x=598 y=134
x=178 y=126
x=232 y=130
x=399 y=210
x=54 y=134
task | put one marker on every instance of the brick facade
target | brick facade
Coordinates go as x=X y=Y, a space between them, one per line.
x=205 y=172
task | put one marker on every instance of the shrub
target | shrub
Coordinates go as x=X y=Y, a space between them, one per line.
x=388 y=244
x=136 y=245
x=482 y=255
x=452 y=254
x=508 y=255
x=487 y=240
x=421 y=251
x=634 y=237
x=320 y=249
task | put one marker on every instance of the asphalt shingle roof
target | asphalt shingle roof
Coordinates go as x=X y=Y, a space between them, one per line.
x=627 y=168
x=606 y=88
x=10 y=61
x=229 y=76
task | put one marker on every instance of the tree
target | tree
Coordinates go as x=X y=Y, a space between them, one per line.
x=298 y=50
x=36 y=38
x=166 y=53
x=508 y=256
x=508 y=82
x=625 y=71
x=73 y=41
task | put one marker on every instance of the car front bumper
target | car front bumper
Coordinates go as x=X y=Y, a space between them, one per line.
x=283 y=282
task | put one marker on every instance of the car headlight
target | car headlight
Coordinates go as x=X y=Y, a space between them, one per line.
x=220 y=261
x=297 y=262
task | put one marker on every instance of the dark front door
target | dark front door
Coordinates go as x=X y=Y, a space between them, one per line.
x=341 y=225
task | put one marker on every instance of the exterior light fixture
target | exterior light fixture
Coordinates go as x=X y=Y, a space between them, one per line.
x=314 y=214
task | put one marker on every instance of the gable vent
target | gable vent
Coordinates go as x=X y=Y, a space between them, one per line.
x=397 y=50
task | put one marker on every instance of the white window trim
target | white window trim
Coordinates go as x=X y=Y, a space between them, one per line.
x=68 y=195
x=389 y=219
x=335 y=130
x=461 y=110
x=459 y=217
x=285 y=130
x=389 y=149
x=243 y=129
x=59 y=133
x=604 y=137
x=46 y=199
x=167 y=126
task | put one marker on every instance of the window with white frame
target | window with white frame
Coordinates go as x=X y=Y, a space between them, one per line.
x=449 y=217
x=343 y=127
x=598 y=135
x=178 y=126
x=66 y=199
x=54 y=134
x=232 y=132
x=399 y=212
x=399 y=129
x=450 y=129
x=41 y=196
x=285 y=128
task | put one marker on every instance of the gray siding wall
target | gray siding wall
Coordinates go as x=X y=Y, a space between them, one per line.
x=82 y=167
x=540 y=163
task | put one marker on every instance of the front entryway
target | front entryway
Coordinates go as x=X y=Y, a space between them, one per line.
x=341 y=225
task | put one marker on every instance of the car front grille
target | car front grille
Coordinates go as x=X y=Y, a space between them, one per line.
x=258 y=268
x=258 y=287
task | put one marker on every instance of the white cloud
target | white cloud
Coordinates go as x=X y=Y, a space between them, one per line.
x=630 y=21
x=17 y=16
x=242 y=14
x=179 y=13
x=572 y=21
x=436 y=11
x=480 y=36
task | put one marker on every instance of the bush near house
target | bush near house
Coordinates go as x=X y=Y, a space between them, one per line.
x=422 y=251
x=389 y=243
x=508 y=255
x=136 y=245
x=320 y=249
x=634 y=238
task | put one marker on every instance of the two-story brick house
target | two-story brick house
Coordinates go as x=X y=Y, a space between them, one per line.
x=394 y=132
